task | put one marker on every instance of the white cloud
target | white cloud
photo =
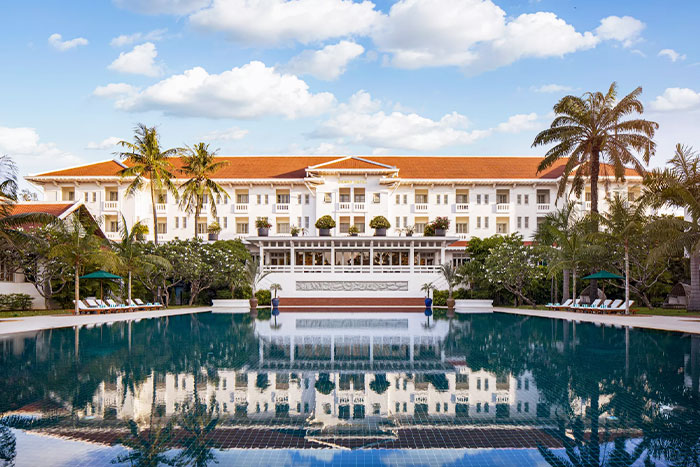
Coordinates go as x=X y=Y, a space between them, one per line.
x=140 y=61
x=322 y=149
x=106 y=143
x=56 y=41
x=271 y=22
x=552 y=88
x=624 y=29
x=361 y=121
x=672 y=55
x=676 y=99
x=128 y=39
x=158 y=7
x=30 y=154
x=328 y=63
x=229 y=134
x=253 y=90
x=518 y=123
x=472 y=34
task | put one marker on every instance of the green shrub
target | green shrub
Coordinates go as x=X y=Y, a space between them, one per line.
x=325 y=222
x=264 y=297
x=379 y=222
x=15 y=302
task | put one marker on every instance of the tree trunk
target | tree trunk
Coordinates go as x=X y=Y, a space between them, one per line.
x=595 y=169
x=196 y=218
x=565 y=286
x=129 y=289
x=155 y=218
x=627 y=278
x=574 y=281
x=77 y=289
x=694 y=300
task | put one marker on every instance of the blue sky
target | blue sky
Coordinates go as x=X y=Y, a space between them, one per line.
x=331 y=76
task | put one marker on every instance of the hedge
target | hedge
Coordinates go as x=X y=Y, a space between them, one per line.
x=15 y=302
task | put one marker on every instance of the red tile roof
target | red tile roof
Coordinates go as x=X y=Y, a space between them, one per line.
x=410 y=167
x=55 y=209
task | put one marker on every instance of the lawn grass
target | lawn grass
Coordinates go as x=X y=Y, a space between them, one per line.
x=22 y=314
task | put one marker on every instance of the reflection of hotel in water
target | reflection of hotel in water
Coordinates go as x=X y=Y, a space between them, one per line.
x=425 y=382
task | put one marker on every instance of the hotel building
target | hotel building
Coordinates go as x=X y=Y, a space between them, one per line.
x=481 y=196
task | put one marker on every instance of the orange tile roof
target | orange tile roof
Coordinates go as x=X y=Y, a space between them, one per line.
x=410 y=167
x=352 y=163
x=55 y=209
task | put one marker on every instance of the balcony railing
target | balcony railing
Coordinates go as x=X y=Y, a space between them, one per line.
x=352 y=269
x=358 y=206
x=281 y=207
x=344 y=206
x=588 y=205
x=503 y=207
x=462 y=207
x=543 y=207
x=240 y=208
x=112 y=236
x=420 y=207
x=110 y=205
x=161 y=207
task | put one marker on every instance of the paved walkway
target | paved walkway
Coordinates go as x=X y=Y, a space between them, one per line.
x=37 y=323
x=664 y=323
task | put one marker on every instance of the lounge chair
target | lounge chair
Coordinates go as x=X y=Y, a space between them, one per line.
x=154 y=306
x=621 y=307
x=119 y=306
x=603 y=306
x=573 y=305
x=83 y=308
x=562 y=306
x=136 y=306
x=586 y=307
x=94 y=303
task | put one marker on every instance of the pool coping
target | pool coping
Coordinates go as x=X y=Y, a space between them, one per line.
x=16 y=325
x=656 y=322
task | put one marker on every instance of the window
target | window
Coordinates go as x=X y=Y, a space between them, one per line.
x=420 y=198
x=486 y=407
x=527 y=199
x=486 y=200
x=527 y=222
x=225 y=222
x=437 y=407
x=519 y=199
x=405 y=199
x=462 y=226
x=527 y=384
x=520 y=386
x=162 y=227
x=398 y=222
x=177 y=222
x=486 y=222
x=520 y=406
x=283 y=198
x=184 y=222
x=405 y=222
x=259 y=199
x=398 y=199
x=376 y=409
x=94 y=196
x=478 y=384
x=438 y=198
x=242 y=227
x=306 y=222
x=299 y=198
x=326 y=198
x=376 y=197
x=86 y=196
x=398 y=407
x=306 y=198
x=201 y=228
x=486 y=384
x=478 y=222
x=405 y=407
x=527 y=407
x=478 y=407
x=478 y=199
x=520 y=219
x=444 y=199
x=267 y=199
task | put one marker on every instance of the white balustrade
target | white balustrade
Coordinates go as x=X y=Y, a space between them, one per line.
x=588 y=205
x=503 y=207
x=161 y=207
x=421 y=207
x=359 y=207
x=110 y=205
x=240 y=208
x=543 y=207
x=462 y=207
x=281 y=207
x=114 y=236
x=344 y=206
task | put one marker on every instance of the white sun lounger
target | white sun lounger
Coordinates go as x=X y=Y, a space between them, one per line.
x=153 y=306
x=83 y=308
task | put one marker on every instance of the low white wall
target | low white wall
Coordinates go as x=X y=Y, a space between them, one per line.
x=24 y=287
x=474 y=306
x=399 y=285
x=231 y=306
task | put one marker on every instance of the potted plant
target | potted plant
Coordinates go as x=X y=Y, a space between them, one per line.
x=410 y=230
x=353 y=231
x=295 y=231
x=441 y=224
x=324 y=225
x=453 y=279
x=429 y=230
x=263 y=226
x=253 y=275
x=213 y=230
x=380 y=224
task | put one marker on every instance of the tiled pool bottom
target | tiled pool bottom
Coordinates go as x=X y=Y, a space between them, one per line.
x=351 y=390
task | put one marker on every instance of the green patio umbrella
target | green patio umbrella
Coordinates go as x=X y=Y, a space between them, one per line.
x=101 y=276
x=603 y=274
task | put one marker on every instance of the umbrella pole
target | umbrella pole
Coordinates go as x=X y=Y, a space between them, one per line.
x=102 y=294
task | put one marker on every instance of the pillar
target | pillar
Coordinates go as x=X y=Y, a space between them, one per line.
x=291 y=348
x=411 y=256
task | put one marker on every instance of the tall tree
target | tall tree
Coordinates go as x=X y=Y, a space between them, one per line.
x=555 y=224
x=199 y=163
x=148 y=164
x=679 y=186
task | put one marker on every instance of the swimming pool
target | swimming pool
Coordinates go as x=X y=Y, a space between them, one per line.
x=349 y=389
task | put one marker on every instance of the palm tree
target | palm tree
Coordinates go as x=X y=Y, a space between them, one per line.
x=199 y=164
x=79 y=246
x=275 y=288
x=254 y=274
x=679 y=186
x=148 y=164
x=593 y=129
x=623 y=222
x=427 y=288
x=546 y=236
x=131 y=257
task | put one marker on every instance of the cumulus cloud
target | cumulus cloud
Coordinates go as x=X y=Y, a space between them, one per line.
x=253 y=90
x=106 y=143
x=473 y=34
x=140 y=61
x=675 y=99
x=56 y=41
x=361 y=121
x=229 y=134
x=626 y=29
x=552 y=88
x=328 y=63
x=672 y=55
x=128 y=39
x=272 y=22
x=518 y=123
x=31 y=154
x=159 y=7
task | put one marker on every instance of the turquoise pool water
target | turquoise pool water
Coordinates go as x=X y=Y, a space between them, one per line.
x=369 y=389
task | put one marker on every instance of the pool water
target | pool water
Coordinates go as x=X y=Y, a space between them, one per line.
x=349 y=389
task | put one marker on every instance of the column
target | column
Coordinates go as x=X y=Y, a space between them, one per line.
x=291 y=348
x=411 y=256
x=261 y=349
x=292 y=258
x=410 y=352
x=332 y=348
x=262 y=256
x=442 y=253
x=371 y=349
x=371 y=256
x=332 y=256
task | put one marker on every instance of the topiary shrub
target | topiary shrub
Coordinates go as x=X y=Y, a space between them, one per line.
x=379 y=222
x=325 y=222
x=15 y=302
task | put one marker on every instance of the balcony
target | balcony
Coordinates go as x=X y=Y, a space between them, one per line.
x=543 y=207
x=344 y=206
x=503 y=207
x=161 y=207
x=420 y=207
x=114 y=236
x=282 y=207
x=240 y=208
x=462 y=207
x=110 y=205
x=358 y=206
x=587 y=205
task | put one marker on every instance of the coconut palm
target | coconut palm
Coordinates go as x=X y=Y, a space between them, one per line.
x=131 y=257
x=594 y=129
x=561 y=220
x=199 y=163
x=451 y=276
x=679 y=186
x=622 y=223
x=79 y=246
x=254 y=274
x=275 y=288
x=427 y=288
x=147 y=163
